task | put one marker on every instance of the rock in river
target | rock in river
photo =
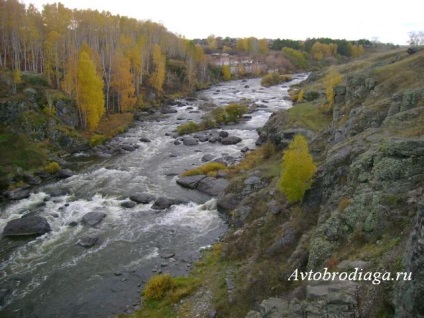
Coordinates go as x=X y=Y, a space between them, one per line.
x=231 y=140
x=17 y=194
x=143 y=198
x=93 y=218
x=163 y=203
x=88 y=241
x=190 y=182
x=31 y=225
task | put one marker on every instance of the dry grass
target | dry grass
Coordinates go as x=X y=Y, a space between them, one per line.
x=209 y=169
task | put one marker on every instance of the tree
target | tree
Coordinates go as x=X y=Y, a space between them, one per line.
x=226 y=73
x=158 y=77
x=122 y=82
x=90 y=97
x=331 y=80
x=416 y=38
x=298 y=169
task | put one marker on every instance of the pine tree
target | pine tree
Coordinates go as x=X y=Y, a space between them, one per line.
x=90 y=97
x=298 y=168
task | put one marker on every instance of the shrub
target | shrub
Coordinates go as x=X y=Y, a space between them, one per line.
x=188 y=128
x=274 y=79
x=97 y=140
x=52 y=167
x=158 y=287
x=235 y=111
x=209 y=168
x=298 y=169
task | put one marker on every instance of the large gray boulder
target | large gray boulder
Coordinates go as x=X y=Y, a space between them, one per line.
x=93 y=218
x=190 y=182
x=17 y=194
x=26 y=226
x=231 y=140
x=212 y=186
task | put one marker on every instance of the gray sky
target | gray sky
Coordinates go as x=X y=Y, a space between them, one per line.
x=387 y=21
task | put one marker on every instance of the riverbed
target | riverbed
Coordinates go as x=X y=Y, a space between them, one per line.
x=53 y=276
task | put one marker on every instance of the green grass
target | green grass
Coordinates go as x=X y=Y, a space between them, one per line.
x=17 y=151
x=309 y=116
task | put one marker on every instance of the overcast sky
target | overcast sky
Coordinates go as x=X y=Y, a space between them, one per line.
x=386 y=21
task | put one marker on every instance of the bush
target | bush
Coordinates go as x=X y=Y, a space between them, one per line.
x=52 y=167
x=97 y=140
x=235 y=111
x=274 y=79
x=188 y=128
x=158 y=287
x=210 y=168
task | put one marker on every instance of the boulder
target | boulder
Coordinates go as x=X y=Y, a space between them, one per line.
x=144 y=139
x=207 y=157
x=17 y=194
x=223 y=134
x=169 y=111
x=88 y=241
x=93 y=218
x=163 y=203
x=128 y=148
x=143 y=198
x=190 y=141
x=190 y=182
x=212 y=186
x=128 y=204
x=31 y=225
x=227 y=202
x=231 y=140
x=64 y=173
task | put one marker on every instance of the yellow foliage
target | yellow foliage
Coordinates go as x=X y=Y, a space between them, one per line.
x=300 y=96
x=331 y=80
x=52 y=167
x=158 y=77
x=226 y=73
x=209 y=168
x=90 y=97
x=158 y=287
x=122 y=82
x=298 y=168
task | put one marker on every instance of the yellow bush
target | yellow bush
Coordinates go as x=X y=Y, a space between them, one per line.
x=52 y=167
x=158 y=287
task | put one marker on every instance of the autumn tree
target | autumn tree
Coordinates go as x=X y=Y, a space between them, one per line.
x=298 y=169
x=157 y=78
x=226 y=73
x=90 y=97
x=122 y=83
x=331 y=80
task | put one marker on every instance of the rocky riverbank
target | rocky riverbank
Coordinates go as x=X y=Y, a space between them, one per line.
x=363 y=211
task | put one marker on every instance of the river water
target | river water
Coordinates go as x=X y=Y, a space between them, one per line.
x=52 y=276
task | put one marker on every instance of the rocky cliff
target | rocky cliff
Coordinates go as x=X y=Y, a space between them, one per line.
x=364 y=210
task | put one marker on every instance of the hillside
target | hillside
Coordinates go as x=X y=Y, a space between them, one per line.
x=364 y=209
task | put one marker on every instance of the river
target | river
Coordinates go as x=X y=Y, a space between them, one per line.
x=52 y=276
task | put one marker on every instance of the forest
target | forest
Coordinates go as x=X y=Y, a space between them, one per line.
x=101 y=60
